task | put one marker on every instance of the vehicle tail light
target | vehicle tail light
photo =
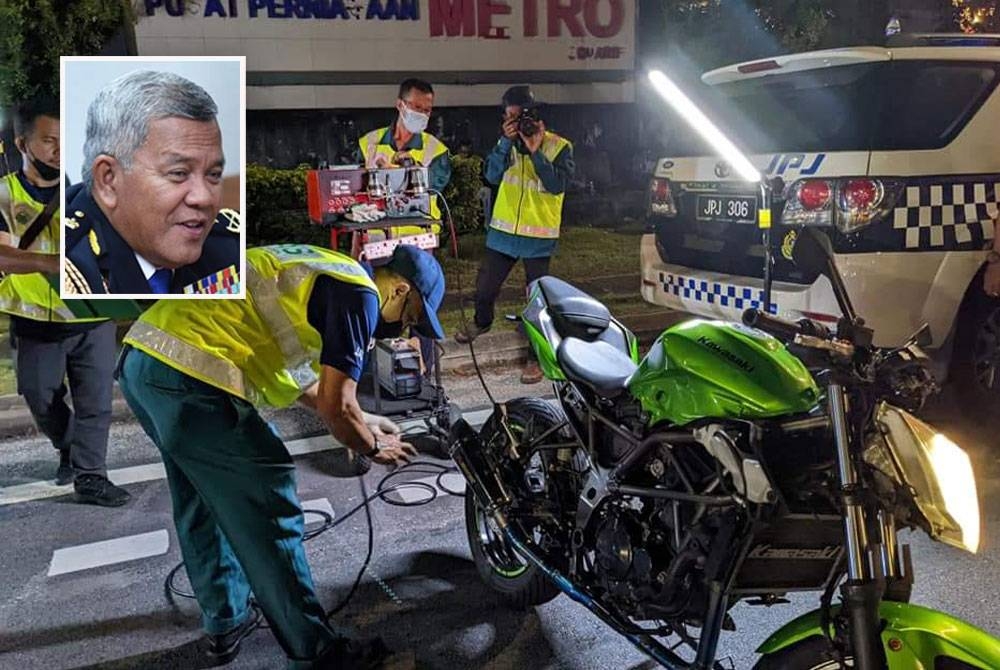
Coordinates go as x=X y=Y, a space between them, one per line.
x=809 y=202
x=661 y=199
x=849 y=204
x=759 y=66
x=859 y=203
x=815 y=194
x=861 y=193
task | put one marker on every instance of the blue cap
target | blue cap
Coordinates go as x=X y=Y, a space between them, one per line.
x=424 y=273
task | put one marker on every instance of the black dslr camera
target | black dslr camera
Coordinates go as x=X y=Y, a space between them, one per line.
x=527 y=123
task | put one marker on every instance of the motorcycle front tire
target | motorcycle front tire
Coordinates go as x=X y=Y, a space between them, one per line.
x=813 y=653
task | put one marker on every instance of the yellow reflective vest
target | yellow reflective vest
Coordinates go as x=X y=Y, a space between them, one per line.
x=261 y=349
x=523 y=206
x=431 y=147
x=31 y=295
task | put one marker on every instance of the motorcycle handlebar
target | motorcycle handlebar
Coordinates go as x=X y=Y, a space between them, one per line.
x=780 y=328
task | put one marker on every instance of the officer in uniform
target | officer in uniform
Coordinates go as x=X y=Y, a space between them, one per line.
x=407 y=142
x=52 y=343
x=98 y=260
x=194 y=373
x=532 y=167
x=146 y=220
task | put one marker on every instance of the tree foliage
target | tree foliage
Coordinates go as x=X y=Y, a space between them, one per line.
x=716 y=32
x=462 y=193
x=976 y=16
x=35 y=33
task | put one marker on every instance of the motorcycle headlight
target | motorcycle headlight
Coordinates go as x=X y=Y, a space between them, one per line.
x=938 y=473
x=958 y=487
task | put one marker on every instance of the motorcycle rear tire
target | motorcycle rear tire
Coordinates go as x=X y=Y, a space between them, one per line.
x=522 y=588
x=516 y=581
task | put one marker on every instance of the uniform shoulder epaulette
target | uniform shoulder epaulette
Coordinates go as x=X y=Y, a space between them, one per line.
x=74 y=283
x=75 y=227
x=230 y=220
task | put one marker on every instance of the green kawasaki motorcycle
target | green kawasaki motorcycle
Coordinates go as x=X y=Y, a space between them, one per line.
x=733 y=462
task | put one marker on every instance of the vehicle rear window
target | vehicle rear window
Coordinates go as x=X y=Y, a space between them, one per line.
x=926 y=104
x=891 y=105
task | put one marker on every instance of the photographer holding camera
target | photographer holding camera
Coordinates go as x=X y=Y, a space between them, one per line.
x=532 y=166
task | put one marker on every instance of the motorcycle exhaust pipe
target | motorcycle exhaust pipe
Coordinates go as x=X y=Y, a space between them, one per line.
x=468 y=451
x=645 y=643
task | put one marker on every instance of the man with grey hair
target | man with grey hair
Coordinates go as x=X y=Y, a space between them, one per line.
x=147 y=219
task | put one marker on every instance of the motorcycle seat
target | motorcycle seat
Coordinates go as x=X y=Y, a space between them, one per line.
x=598 y=365
x=573 y=312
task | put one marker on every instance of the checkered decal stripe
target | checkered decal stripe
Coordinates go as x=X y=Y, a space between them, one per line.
x=714 y=293
x=949 y=216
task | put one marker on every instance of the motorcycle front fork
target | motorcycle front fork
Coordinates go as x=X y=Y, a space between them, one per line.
x=862 y=592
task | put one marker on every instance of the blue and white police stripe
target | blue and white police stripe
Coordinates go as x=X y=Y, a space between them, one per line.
x=713 y=293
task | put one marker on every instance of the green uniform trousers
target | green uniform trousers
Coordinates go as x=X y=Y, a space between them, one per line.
x=238 y=518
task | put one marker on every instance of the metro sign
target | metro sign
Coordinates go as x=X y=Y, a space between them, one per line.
x=480 y=18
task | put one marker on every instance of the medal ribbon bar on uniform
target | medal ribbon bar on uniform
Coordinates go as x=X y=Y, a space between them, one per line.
x=223 y=282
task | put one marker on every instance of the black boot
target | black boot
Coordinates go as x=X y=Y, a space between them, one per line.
x=64 y=475
x=98 y=490
x=224 y=648
x=354 y=654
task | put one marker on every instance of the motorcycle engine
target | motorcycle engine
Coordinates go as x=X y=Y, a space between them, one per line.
x=635 y=564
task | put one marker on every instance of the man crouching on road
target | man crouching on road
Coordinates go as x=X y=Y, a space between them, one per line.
x=194 y=372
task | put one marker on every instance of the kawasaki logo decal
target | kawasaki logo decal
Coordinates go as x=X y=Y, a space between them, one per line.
x=820 y=554
x=728 y=355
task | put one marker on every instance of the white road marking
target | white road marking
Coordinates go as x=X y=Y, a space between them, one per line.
x=451 y=480
x=321 y=504
x=133 y=547
x=39 y=490
x=108 y=552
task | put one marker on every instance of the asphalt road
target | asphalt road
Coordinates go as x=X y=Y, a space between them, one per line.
x=421 y=593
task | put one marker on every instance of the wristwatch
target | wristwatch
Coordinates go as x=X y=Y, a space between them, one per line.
x=376 y=447
x=993 y=257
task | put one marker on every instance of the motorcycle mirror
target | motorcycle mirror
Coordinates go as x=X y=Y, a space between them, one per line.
x=923 y=337
x=809 y=253
x=813 y=252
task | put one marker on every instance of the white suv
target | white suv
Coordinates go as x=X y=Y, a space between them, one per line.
x=894 y=150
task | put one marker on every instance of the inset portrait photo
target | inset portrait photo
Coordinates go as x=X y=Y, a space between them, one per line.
x=153 y=177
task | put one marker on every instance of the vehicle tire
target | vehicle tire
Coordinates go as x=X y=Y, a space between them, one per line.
x=813 y=653
x=517 y=581
x=975 y=365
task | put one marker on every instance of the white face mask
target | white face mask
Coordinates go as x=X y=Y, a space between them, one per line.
x=413 y=121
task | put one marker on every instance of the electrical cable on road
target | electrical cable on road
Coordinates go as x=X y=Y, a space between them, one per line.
x=381 y=492
x=383 y=488
x=461 y=302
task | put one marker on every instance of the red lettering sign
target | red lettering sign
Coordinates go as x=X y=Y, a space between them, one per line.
x=487 y=8
x=453 y=18
x=599 y=19
x=531 y=18
x=592 y=20
x=565 y=12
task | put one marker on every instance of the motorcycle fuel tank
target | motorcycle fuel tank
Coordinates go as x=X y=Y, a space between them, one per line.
x=712 y=369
